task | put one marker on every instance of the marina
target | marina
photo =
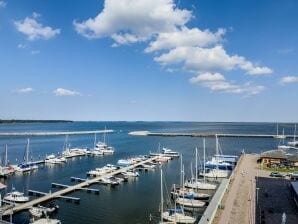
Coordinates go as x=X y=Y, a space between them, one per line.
x=199 y=196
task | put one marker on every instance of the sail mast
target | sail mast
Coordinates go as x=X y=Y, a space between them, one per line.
x=27 y=150
x=5 y=159
x=181 y=174
x=196 y=170
x=204 y=160
x=295 y=134
x=161 y=196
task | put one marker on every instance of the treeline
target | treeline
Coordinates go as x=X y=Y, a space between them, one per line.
x=16 y=121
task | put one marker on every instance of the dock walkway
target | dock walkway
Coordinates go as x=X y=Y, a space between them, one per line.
x=73 y=188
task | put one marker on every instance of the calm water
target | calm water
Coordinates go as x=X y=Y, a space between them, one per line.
x=134 y=201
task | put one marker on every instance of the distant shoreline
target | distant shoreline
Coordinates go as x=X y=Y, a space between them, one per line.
x=12 y=121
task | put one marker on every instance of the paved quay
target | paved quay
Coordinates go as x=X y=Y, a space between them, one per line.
x=239 y=201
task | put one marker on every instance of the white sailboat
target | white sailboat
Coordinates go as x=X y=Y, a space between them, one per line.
x=172 y=215
x=278 y=135
x=216 y=172
x=195 y=183
x=283 y=146
x=103 y=147
x=294 y=142
x=96 y=149
x=52 y=159
x=6 y=169
x=27 y=166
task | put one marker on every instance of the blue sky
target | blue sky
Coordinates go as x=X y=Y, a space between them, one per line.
x=194 y=60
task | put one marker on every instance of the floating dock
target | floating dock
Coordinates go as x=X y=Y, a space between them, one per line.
x=69 y=189
x=55 y=133
x=204 y=135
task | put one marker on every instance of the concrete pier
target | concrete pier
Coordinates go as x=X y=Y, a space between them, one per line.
x=55 y=133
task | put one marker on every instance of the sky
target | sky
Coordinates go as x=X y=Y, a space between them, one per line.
x=149 y=60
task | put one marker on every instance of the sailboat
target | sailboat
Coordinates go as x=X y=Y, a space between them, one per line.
x=96 y=149
x=195 y=183
x=103 y=147
x=27 y=166
x=6 y=169
x=216 y=172
x=283 y=146
x=173 y=215
x=294 y=142
x=278 y=135
x=188 y=202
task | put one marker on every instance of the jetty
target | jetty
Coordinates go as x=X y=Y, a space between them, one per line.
x=69 y=189
x=204 y=135
x=55 y=133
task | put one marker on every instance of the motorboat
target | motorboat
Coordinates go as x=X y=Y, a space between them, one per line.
x=96 y=152
x=16 y=197
x=109 y=181
x=52 y=159
x=130 y=173
x=46 y=221
x=170 y=153
x=42 y=211
x=125 y=162
x=101 y=171
x=107 y=150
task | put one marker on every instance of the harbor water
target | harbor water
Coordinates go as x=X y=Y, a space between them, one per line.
x=137 y=200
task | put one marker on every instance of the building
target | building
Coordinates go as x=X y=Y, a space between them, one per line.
x=273 y=158
x=292 y=161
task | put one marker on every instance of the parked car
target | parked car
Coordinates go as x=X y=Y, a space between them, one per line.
x=276 y=174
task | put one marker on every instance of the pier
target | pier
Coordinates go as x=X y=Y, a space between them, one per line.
x=55 y=133
x=69 y=189
x=204 y=135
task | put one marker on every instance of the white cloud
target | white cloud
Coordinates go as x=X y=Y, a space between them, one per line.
x=2 y=4
x=22 y=46
x=288 y=80
x=35 y=52
x=216 y=83
x=35 y=30
x=199 y=59
x=163 y=26
x=66 y=92
x=130 y=21
x=185 y=37
x=24 y=90
x=207 y=77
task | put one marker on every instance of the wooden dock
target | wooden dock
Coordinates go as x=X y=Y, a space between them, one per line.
x=204 y=135
x=55 y=133
x=69 y=189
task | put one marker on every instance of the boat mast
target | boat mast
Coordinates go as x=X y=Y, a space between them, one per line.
x=27 y=150
x=161 y=196
x=181 y=174
x=5 y=158
x=196 y=170
x=204 y=160
x=94 y=140
x=216 y=145
x=277 y=129
x=295 y=134
x=283 y=136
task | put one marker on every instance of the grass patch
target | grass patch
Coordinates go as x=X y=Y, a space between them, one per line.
x=283 y=170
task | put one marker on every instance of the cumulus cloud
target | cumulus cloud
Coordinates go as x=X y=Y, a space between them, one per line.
x=24 y=90
x=2 y=4
x=164 y=27
x=185 y=37
x=66 y=92
x=216 y=83
x=130 y=21
x=209 y=59
x=288 y=80
x=35 y=30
